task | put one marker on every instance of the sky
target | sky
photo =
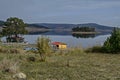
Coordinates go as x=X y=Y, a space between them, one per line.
x=105 y=12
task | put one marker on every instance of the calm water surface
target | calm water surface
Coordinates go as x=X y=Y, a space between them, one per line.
x=70 y=40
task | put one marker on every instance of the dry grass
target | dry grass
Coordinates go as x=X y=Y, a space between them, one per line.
x=7 y=65
x=73 y=64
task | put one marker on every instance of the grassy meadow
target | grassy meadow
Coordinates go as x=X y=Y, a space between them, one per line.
x=70 y=64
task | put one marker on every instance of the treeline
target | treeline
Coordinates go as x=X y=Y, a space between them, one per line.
x=83 y=29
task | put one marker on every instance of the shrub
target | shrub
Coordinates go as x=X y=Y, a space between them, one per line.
x=94 y=49
x=43 y=46
x=112 y=44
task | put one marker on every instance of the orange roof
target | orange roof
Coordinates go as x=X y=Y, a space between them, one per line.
x=58 y=43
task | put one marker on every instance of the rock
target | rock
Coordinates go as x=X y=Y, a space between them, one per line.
x=20 y=76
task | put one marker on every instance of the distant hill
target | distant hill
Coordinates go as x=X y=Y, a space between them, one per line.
x=35 y=28
x=70 y=26
x=58 y=26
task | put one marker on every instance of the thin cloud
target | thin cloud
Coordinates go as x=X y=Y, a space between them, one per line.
x=70 y=11
x=94 y=5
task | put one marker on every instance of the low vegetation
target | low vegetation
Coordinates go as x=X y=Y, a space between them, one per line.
x=43 y=46
x=94 y=49
x=68 y=64
x=71 y=64
x=112 y=44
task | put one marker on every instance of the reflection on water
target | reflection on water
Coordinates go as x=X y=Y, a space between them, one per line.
x=72 y=40
x=63 y=32
x=83 y=35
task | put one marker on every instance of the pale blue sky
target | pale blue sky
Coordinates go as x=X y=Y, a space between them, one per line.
x=106 y=12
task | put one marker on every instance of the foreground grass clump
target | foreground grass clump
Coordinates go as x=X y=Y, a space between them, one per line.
x=43 y=46
x=8 y=65
x=73 y=64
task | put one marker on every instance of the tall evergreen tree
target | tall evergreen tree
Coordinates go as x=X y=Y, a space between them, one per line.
x=112 y=44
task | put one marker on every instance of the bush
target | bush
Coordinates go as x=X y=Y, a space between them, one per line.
x=94 y=49
x=43 y=46
x=112 y=44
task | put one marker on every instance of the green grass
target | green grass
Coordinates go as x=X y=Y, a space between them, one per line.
x=71 y=65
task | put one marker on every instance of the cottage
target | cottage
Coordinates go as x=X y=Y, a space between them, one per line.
x=59 y=45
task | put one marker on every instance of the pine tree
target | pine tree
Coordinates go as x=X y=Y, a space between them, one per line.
x=112 y=44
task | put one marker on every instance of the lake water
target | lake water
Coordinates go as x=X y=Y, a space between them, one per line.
x=71 y=40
